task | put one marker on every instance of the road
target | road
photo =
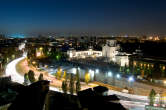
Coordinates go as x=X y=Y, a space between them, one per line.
x=15 y=76
x=132 y=102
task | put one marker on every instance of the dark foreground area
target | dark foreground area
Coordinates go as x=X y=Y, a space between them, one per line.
x=38 y=97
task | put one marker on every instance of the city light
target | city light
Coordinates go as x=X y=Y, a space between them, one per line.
x=33 y=62
x=118 y=76
x=130 y=79
x=110 y=74
x=57 y=57
x=74 y=70
x=97 y=71
x=38 y=54
x=91 y=72
x=41 y=48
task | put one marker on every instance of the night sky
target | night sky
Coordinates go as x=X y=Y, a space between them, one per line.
x=83 y=16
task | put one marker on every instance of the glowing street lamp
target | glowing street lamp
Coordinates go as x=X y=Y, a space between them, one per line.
x=91 y=72
x=33 y=62
x=110 y=74
x=130 y=79
x=97 y=71
x=41 y=48
x=164 y=83
x=118 y=76
x=74 y=70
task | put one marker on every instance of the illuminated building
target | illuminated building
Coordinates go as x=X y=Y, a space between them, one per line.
x=39 y=52
x=122 y=59
x=111 y=52
x=83 y=54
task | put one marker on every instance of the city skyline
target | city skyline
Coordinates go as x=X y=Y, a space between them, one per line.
x=78 y=16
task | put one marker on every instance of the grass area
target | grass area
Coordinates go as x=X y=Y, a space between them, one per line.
x=19 y=67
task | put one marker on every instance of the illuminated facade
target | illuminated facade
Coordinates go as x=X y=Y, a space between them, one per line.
x=148 y=67
x=110 y=50
x=111 y=53
x=39 y=52
x=122 y=60
x=83 y=54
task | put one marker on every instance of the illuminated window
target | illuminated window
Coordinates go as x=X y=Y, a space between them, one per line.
x=148 y=65
x=152 y=65
x=144 y=65
x=141 y=64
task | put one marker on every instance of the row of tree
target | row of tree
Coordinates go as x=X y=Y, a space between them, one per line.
x=155 y=98
x=30 y=77
x=72 y=84
x=59 y=74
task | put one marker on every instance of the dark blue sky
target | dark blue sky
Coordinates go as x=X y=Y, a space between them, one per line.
x=78 y=16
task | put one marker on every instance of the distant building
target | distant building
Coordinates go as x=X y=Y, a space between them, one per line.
x=110 y=50
x=72 y=53
x=39 y=52
x=148 y=67
x=111 y=53
x=122 y=59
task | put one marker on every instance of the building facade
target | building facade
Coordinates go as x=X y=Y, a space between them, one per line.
x=72 y=53
x=111 y=53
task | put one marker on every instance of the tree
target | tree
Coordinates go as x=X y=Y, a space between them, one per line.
x=31 y=76
x=87 y=77
x=64 y=74
x=78 y=85
x=26 y=80
x=64 y=86
x=59 y=73
x=152 y=97
x=40 y=77
x=71 y=84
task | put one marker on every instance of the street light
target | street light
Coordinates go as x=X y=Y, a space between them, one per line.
x=118 y=76
x=164 y=83
x=41 y=48
x=74 y=70
x=33 y=62
x=131 y=79
x=92 y=73
x=109 y=74
x=97 y=71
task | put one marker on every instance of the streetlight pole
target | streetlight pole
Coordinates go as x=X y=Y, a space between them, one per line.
x=130 y=80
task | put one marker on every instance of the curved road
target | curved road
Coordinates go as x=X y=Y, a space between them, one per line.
x=133 y=102
x=15 y=76
x=11 y=71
